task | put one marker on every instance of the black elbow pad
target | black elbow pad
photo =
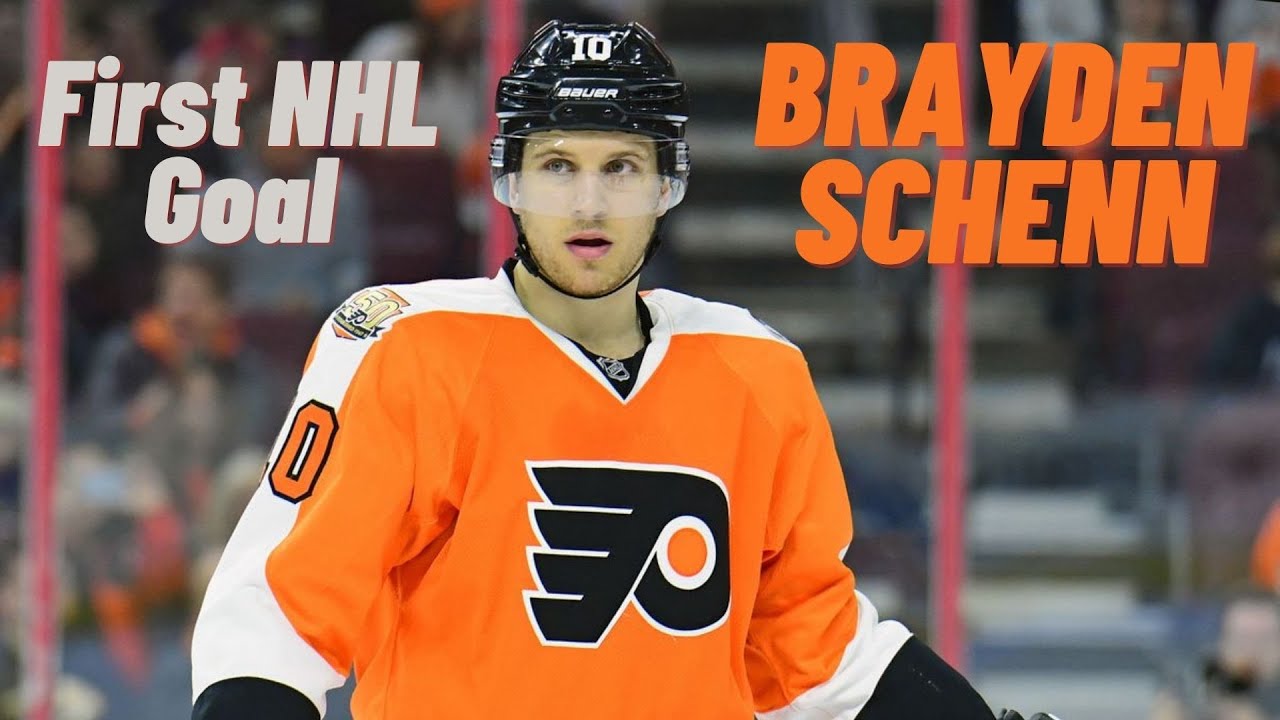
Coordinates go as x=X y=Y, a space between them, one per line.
x=919 y=684
x=250 y=698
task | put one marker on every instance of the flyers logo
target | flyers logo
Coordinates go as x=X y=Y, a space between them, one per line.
x=614 y=535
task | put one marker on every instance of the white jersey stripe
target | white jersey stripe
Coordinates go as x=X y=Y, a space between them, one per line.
x=849 y=689
x=241 y=630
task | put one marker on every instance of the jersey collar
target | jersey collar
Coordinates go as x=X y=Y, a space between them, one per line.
x=653 y=321
x=646 y=317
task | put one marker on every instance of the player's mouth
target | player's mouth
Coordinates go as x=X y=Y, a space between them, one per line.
x=589 y=245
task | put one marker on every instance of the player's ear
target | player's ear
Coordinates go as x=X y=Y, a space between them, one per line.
x=664 y=197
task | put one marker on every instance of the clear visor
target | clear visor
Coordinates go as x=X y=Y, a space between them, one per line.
x=588 y=175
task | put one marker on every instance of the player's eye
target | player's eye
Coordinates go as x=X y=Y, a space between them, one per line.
x=557 y=166
x=621 y=166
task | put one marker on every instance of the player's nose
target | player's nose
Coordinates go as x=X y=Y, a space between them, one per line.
x=589 y=198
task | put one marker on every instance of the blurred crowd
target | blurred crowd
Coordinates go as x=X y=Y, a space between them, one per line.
x=180 y=361
x=1177 y=327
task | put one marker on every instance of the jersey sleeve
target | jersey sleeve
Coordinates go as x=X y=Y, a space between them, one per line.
x=816 y=647
x=345 y=497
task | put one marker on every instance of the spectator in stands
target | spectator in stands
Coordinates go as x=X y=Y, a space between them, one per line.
x=126 y=554
x=1238 y=679
x=10 y=621
x=443 y=35
x=1246 y=21
x=297 y=29
x=588 y=11
x=127 y=34
x=1246 y=354
x=12 y=326
x=1161 y=321
x=1228 y=473
x=308 y=280
x=13 y=119
x=237 y=479
x=1145 y=327
x=416 y=231
x=1052 y=22
x=119 y=280
x=1071 y=293
x=79 y=253
x=1259 y=23
x=1247 y=660
x=231 y=34
x=170 y=396
x=12 y=436
x=177 y=384
x=435 y=233
x=1152 y=21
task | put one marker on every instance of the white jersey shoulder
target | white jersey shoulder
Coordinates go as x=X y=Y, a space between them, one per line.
x=690 y=315
x=482 y=295
x=241 y=629
x=371 y=311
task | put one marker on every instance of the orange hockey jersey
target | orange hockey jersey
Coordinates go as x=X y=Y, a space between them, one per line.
x=461 y=510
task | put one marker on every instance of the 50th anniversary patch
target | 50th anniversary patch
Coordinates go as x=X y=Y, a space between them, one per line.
x=365 y=314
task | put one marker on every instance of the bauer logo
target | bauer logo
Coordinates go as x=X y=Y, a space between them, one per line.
x=618 y=535
x=588 y=93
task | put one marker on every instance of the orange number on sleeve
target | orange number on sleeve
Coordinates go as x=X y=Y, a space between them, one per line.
x=302 y=457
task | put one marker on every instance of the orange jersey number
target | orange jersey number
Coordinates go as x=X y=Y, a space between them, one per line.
x=297 y=467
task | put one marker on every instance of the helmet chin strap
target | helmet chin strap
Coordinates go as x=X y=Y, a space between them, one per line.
x=525 y=254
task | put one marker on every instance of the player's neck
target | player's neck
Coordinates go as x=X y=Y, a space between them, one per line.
x=607 y=326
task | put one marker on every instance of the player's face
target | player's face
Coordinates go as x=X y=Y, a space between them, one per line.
x=600 y=191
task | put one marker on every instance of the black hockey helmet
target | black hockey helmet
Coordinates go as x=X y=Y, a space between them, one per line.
x=575 y=76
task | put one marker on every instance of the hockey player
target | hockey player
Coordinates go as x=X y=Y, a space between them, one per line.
x=544 y=494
